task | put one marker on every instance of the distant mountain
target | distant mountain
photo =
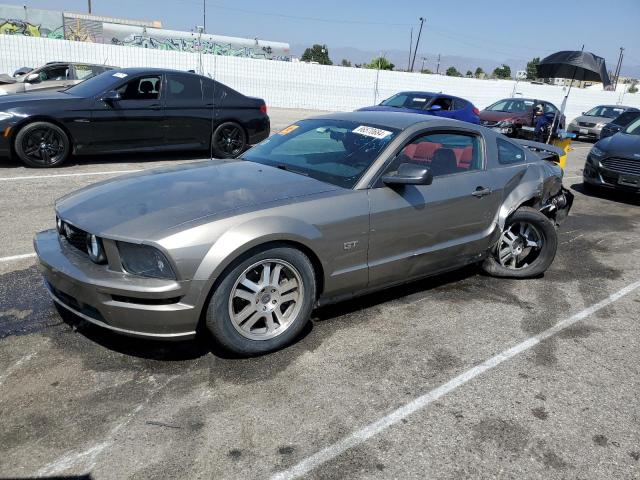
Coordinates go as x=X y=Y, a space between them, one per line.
x=463 y=64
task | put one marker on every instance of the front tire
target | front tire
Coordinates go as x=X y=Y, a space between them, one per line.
x=526 y=248
x=42 y=145
x=228 y=140
x=262 y=303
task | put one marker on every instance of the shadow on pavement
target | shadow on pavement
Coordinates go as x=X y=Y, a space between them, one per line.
x=620 y=196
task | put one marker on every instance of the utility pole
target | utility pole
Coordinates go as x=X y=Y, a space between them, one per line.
x=204 y=16
x=422 y=69
x=89 y=1
x=438 y=67
x=618 y=68
x=410 y=48
x=413 y=62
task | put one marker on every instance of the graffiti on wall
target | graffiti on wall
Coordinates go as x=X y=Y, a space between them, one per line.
x=195 y=46
x=14 y=26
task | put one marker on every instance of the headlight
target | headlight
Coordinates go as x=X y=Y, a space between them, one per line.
x=596 y=152
x=95 y=249
x=600 y=125
x=145 y=260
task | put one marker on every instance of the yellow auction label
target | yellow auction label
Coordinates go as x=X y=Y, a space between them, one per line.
x=288 y=130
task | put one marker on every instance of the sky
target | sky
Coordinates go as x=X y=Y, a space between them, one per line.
x=491 y=29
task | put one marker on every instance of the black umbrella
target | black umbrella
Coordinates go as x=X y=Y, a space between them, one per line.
x=577 y=65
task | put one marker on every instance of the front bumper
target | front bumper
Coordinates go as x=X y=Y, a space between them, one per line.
x=589 y=132
x=595 y=173
x=124 y=303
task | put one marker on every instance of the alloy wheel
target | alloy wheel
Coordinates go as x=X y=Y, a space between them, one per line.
x=266 y=299
x=43 y=146
x=230 y=140
x=519 y=245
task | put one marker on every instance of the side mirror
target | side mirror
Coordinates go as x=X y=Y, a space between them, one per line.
x=409 y=174
x=33 y=78
x=435 y=108
x=111 y=97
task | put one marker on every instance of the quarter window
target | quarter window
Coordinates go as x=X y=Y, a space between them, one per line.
x=509 y=153
x=444 y=153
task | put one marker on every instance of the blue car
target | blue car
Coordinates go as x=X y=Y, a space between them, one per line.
x=429 y=103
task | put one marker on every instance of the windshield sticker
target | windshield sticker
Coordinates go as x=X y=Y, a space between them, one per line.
x=288 y=130
x=418 y=99
x=120 y=75
x=371 y=132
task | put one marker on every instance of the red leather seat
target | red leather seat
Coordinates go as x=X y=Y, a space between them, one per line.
x=410 y=150
x=425 y=150
x=464 y=156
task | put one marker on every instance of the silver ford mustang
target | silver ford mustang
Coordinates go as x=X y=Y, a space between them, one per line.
x=327 y=209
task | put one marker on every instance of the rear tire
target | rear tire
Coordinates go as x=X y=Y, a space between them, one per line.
x=42 y=145
x=228 y=140
x=263 y=302
x=526 y=248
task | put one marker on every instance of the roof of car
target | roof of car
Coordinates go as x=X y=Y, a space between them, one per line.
x=418 y=92
x=618 y=106
x=138 y=70
x=397 y=120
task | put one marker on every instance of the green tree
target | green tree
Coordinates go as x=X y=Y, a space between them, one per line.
x=532 y=72
x=380 y=63
x=426 y=70
x=502 y=72
x=479 y=72
x=453 y=72
x=469 y=73
x=633 y=88
x=317 y=53
x=345 y=62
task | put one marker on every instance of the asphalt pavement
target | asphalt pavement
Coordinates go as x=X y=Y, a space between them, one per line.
x=457 y=376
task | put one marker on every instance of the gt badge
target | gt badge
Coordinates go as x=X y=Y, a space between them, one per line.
x=350 y=245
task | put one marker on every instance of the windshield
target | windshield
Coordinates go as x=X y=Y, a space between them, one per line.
x=626 y=118
x=98 y=84
x=605 y=111
x=332 y=151
x=416 y=101
x=511 y=105
x=633 y=128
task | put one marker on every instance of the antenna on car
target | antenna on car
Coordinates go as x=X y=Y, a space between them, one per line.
x=105 y=60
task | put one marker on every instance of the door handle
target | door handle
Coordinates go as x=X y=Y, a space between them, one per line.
x=154 y=107
x=481 y=192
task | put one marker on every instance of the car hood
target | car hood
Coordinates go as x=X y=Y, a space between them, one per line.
x=145 y=205
x=590 y=119
x=385 y=108
x=486 y=115
x=621 y=145
x=33 y=98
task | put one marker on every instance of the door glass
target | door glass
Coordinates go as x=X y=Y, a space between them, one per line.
x=444 y=103
x=54 y=73
x=509 y=153
x=445 y=153
x=83 y=72
x=144 y=88
x=184 y=90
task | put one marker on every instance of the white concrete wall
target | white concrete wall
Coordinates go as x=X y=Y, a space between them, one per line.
x=296 y=85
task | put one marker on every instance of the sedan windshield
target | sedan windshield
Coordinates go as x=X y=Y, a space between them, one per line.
x=332 y=151
x=95 y=85
x=511 y=105
x=604 y=111
x=408 y=100
x=633 y=128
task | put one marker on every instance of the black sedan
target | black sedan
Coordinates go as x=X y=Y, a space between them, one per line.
x=131 y=110
x=614 y=162
x=619 y=123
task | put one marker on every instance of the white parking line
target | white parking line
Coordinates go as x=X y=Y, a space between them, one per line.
x=360 y=436
x=17 y=257
x=37 y=177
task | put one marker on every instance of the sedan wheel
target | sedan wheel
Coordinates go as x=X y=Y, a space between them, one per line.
x=262 y=301
x=228 y=140
x=42 y=145
x=266 y=299
x=519 y=245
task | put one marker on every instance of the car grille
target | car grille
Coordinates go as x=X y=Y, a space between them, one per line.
x=76 y=237
x=586 y=124
x=622 y=165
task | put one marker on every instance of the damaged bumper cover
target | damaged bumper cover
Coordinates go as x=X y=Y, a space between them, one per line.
x=557 y=207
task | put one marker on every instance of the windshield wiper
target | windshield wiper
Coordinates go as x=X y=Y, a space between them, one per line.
x=286 y=168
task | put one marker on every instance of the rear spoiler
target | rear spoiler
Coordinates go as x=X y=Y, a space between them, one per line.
x=543 y=150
